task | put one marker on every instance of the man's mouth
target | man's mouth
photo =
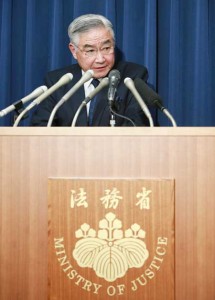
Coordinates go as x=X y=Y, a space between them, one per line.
x=100 y=68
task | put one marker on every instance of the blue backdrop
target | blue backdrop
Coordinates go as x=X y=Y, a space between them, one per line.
x=174 y=39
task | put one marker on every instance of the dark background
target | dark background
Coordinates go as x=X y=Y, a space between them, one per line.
x=174 y=39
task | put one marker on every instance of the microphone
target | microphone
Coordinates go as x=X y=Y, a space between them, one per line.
x=66 y=78
x=19 y=104
x=152 y=98
x=87 y=76
x=130 y=85
x=114 y=78
x=104 y=82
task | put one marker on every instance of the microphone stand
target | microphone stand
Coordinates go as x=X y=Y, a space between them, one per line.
x=170 y=117
x=112 y=115
x=165 y=111
x=112 y=119
x=19 y=107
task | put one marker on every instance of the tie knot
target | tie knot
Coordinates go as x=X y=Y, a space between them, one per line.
x=95 y=82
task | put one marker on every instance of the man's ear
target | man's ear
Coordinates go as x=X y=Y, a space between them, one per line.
x=73 y=50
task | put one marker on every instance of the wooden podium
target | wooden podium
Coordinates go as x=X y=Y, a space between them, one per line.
x=30 y=156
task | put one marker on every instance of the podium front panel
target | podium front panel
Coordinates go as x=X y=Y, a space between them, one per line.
x=29 y=156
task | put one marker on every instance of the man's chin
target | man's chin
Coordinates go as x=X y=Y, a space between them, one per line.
x=100 y=73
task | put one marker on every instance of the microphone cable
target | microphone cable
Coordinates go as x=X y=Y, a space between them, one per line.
x=121 y=116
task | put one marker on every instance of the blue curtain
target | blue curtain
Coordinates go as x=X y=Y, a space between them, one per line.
x=174 y=39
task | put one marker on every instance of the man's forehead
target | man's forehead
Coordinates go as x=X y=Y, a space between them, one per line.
x=95 y=37
x=97 y=43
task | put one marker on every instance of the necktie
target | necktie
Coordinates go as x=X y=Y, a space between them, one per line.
x=95 y=83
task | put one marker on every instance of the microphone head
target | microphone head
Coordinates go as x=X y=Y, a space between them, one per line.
x=66 y=78
x=129 y=82
x=38 y=91
x=114 y=77
x=88 y=75
x=104 y=82
x=150 y=96
x=44 y=88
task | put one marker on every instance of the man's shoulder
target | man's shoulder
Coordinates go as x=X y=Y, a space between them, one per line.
x=131 y=69
x=58 y=73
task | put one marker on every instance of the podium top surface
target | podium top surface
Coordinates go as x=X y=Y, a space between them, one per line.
x=107 y=131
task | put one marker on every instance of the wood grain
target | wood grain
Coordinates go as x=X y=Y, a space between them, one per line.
x=28 y=157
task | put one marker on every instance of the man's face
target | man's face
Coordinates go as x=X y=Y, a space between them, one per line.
x=91 y=51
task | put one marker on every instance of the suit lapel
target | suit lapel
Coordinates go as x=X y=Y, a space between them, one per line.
x=101 y=114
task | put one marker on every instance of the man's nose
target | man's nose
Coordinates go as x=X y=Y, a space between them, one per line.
x=99 y=56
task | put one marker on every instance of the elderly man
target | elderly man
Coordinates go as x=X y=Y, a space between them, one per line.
x=92 y=44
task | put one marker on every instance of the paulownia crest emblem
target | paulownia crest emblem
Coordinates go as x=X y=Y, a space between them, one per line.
x=110 y=252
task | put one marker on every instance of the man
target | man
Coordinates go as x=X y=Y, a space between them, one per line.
x=92 y=44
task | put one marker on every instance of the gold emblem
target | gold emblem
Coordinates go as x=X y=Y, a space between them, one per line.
x=111 y=237
x=110 y=252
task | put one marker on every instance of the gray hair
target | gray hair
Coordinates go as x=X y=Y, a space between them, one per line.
x=85 y=23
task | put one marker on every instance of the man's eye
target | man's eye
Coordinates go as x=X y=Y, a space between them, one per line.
x=90 y=51
x=106 y=50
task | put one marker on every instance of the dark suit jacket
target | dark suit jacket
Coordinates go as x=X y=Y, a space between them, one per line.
x=125 y=105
